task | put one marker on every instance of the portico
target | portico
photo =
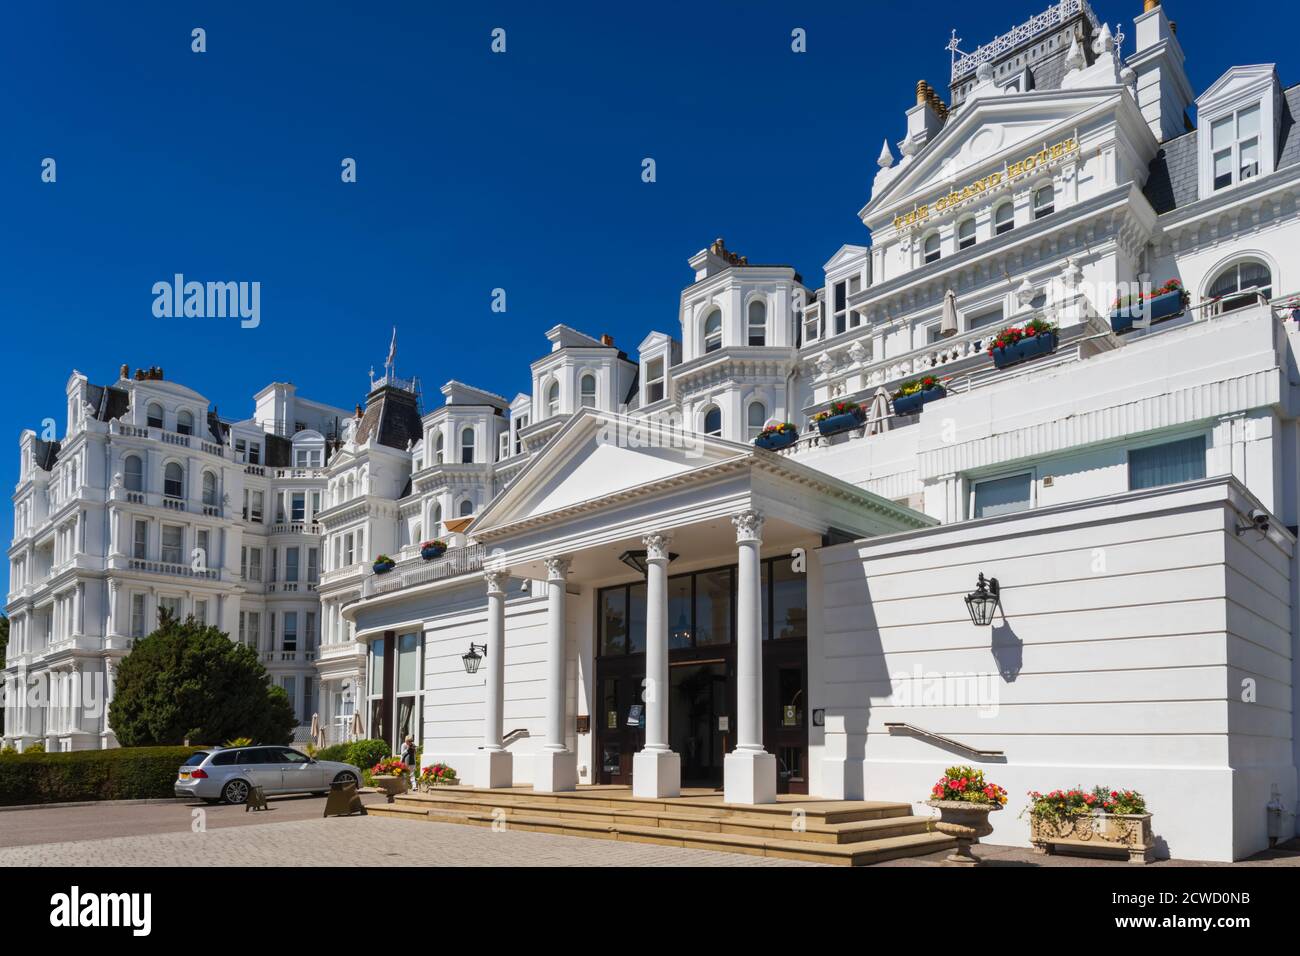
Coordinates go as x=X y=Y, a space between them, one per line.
x=711 y=516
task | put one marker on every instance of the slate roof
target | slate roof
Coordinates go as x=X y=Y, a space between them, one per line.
x=1172 y=181
x=108 y=402
x=45 y=453
x=392 y=416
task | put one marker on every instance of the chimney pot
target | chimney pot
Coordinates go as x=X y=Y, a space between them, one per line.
x=607 y=340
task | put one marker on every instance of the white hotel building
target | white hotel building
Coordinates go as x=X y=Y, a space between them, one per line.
x=675 y=607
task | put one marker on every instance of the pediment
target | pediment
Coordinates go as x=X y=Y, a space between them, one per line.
x=985 y=134
x=597 y=455
x=1239 y=79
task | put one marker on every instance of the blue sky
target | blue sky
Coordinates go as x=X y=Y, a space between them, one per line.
x=476 y=171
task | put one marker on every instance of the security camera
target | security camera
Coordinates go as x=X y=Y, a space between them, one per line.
x=1259 y=521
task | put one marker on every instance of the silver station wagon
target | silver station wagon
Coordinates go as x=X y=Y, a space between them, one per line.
x=230 y=775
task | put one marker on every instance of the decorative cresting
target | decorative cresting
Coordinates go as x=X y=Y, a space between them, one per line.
x=749 y=526
x=1051 y=18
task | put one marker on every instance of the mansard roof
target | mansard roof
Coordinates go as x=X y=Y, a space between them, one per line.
x=108 y=402
x=391 y=418
x=45 y=454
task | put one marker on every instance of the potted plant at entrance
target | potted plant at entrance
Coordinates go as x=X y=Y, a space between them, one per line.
x=1020 y=343
x=383 y=564
x=429 y=550
x=391 y=776
x=964 y=800
x=438 y=775
x=839 y=417
x=1101 y=819
x=912 y=395
x=774 y=437
x=1163 y=303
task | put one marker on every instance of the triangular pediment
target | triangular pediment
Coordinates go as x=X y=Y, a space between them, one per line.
x=986 y=133
x=1237 y=80
x=847 y=253
x=596 y=456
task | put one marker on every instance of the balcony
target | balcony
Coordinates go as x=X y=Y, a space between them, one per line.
x=295 y=527
x=175 y=570
x=343 y=574
x=413 y=571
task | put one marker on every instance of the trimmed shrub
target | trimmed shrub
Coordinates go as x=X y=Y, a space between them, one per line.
x=338 y=752
x=126 y=773
x=366 y=753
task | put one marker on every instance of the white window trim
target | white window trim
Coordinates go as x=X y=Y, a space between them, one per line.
x=1012 y=473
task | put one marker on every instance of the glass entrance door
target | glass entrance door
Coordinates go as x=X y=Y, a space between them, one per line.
x=699 y=719
x=785 y=713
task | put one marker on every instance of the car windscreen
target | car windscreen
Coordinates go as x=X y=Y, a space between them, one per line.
x=195 y=759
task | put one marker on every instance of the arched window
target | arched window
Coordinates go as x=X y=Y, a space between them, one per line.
x=1240 y=285
x=930 y=251
x=466 y=508
x=553 y=400
x=438 y=450
x=713 y=331
x=435 y=524
x=757 y=322
x=417 y=533
x=209 y=488
x=174 y=480
x=757 y=417
x=154 y=415
x=134 y=468
x=1044 y=201
x=713 y=421
x=966 y=234
x=185 y=422
x=467 y=446
x=587 y=391
x=1004 y=218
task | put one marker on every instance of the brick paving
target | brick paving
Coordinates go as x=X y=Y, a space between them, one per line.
x=363 y=841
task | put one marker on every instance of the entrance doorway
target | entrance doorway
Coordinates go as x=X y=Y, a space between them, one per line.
x=699 y=719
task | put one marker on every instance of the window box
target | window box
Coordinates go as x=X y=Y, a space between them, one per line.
x=840 y=417
x=912 y=396
x=777 y=437
x=383 y=564
x=431 y=550
x=1166 y=302
x=1020 y=344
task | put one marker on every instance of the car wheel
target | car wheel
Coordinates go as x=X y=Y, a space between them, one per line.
x=235 y=792
x=346 y=777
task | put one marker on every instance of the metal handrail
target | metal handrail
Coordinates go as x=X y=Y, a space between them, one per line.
x=898 y=727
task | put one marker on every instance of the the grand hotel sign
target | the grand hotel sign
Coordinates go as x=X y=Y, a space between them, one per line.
x=1046 y=156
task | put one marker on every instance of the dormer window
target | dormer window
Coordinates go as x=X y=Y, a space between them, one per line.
x=1234 y=142
x=966 y=234
x=1004 y=218
x=757 y=323
x=1044 y=202
x=713 y=331
x=930 y=250
x=587 y=391
x=553 y=400
x=654 y=381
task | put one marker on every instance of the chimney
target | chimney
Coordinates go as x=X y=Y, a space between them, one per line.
x=607 y=340
x=124 y=371
x=1163 y=90
x=926 y=118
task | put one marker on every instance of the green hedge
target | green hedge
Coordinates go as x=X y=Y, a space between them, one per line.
x=363 y=754
x=126 y=773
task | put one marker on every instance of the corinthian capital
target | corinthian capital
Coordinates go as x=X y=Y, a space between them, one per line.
x=749 y=526
x=496 y=581
x=557 y=569
x=656 y=546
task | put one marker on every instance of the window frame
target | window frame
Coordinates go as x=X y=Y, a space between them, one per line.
x=1030 y=473
x=712 y=340
x=1042 y=211
x=1001 y=228
x=927 y=255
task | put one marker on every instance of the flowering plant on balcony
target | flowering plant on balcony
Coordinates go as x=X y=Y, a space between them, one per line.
x=838 y=408
x=968 y=785
x=389 y=767
x=917 y=385
x=438 y=775
x=1017 y=333
x=778 y=429
x=383 y=564
x=433 y=548
x=1077 y=802
x=1171 y=285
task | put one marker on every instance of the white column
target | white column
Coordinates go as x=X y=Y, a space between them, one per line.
x=749 y=772
x=555 y=766
x=114 y=598
x=494 y=765
x=656 y=770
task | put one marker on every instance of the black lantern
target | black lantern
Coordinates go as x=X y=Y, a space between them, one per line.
x=636 y=560
x=473 y=658
x=983 y=601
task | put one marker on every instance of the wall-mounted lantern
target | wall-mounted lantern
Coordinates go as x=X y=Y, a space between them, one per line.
x=472 y=658
x=984 y=601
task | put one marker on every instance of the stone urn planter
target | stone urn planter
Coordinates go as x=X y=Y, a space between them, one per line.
x=1120 y=832
x=390 y=784
x=965 y=822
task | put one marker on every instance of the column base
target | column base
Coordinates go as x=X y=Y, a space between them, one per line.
x=494 y=769
x=749 y=776
x=555 y=771
x=656 y=773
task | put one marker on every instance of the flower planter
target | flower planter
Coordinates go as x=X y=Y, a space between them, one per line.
x=383 y=567
x=908 y=404
x=429 y=784
x=1162 y=307
x=1115 y=832
x=841 y=423
x=430 y=554
x=1031 y=347
x=391 y=785
x=965 y=822
x=773 y=441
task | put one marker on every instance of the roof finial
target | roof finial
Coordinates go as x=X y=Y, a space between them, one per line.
x=886 y=156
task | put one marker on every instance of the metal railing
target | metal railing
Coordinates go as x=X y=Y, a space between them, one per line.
x=898 y=728
x=414 y=571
